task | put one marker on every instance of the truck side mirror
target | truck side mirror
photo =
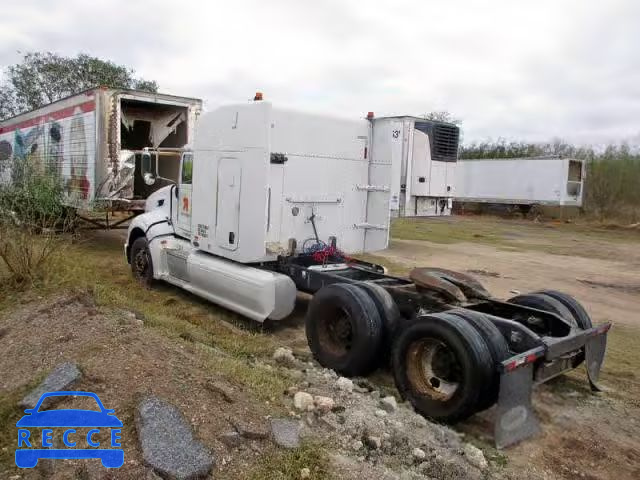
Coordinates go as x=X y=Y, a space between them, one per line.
x=147 y=171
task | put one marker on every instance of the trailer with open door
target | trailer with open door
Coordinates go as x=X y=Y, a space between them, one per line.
x=93 y=143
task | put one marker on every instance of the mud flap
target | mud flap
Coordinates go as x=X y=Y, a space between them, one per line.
x=594 y=349
x=515 y=419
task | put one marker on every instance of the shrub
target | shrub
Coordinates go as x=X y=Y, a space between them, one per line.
x=33 y=224
x=613 y=185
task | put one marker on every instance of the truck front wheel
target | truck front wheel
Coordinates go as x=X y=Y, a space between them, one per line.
x=141 y=262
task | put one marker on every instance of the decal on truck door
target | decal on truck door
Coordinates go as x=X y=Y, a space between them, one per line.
x=185 y=189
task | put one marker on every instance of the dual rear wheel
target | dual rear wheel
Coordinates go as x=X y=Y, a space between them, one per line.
x=444 y=364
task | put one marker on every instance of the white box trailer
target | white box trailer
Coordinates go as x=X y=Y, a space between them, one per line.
x=270 y=202
x=549 y=181
x=423 y=155
x=93 y=142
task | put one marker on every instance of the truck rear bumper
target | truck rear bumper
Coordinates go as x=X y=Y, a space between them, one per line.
x=515 y=418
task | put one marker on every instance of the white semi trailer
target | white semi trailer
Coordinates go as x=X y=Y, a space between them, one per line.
x=423 y=156
x=93 y=142
x=269 y=202
x=525 y=182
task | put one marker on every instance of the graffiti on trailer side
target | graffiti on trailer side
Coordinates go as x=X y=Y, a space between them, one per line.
x=61 y=147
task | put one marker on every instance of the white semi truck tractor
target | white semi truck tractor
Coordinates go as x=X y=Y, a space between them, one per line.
x=270 y=202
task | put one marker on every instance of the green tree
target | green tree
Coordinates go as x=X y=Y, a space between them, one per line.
x=44 y=77
x=441 y=116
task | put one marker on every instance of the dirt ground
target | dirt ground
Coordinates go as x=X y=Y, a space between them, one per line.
x=584 y=435
x=122 y=361
x=183 y=348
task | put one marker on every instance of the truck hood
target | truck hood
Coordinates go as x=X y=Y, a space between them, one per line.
x=160 y=199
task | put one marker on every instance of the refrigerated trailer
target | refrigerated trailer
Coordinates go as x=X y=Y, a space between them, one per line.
x=525 y=182
x=93 y=142
x=423 y=156
x=270 y=202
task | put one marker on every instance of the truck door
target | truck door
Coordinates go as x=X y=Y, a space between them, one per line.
x=185 y=189
x=228 y=217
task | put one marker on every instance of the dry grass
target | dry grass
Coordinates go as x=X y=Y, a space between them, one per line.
x=287 y=464
x=578 y=239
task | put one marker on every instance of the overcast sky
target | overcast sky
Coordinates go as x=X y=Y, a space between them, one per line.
x=528 y=70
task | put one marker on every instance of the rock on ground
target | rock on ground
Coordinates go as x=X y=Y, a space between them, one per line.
x=344 y=384
x=60 y=378
x=389 y=404
x=167 y=442
x=323 y=404
x=284 y=356
x=475 y=456
x=303 y=401
x=418 y=454
x=250 y=430
x=286 y=432
x=373 y=442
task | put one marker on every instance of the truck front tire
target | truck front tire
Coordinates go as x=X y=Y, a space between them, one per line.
x=344 y=329
x=141 y=262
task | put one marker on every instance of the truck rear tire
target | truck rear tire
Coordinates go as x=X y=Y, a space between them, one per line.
x=542 y=301
x=560 y=304
x=497 y=346
x=389 y=313
x=579 y=313
x=441 y=364
x=141 y=262
x=344 y=329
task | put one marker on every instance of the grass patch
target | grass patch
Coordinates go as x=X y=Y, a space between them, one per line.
x=267 y=383
x=619 y=374
x=97 y=264
x=445 y=231
x=620 y=370
x=582 y=239
x=287 y=464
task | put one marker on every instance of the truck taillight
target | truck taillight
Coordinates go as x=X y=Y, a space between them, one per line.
x=520 y=361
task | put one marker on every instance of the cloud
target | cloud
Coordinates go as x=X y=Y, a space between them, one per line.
x=526 y=70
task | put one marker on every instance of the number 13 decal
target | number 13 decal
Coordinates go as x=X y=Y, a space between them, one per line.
x=395 y=133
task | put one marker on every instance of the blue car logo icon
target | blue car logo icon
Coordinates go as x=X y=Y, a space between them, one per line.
x=69 y=419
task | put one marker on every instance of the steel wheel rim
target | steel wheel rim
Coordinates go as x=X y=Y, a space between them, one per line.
x=336 y=332
x=433 y=369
